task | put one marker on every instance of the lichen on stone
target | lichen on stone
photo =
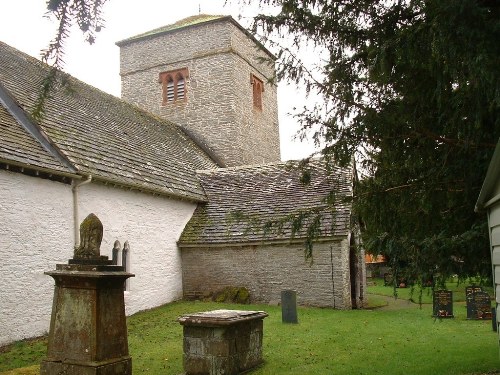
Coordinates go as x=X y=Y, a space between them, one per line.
x=91 y=231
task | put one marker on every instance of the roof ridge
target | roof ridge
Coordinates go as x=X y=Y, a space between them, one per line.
x=287 y=163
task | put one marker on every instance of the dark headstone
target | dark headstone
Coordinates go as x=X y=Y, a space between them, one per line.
x=478 y=303
x=442 y=305
x=289 y=306
x=494 y=322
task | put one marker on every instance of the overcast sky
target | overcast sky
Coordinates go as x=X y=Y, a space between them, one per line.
x=23 y=26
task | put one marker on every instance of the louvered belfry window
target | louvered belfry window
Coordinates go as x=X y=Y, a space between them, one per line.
x=174 y=86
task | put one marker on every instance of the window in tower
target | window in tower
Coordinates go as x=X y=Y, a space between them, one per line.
x=258 y=89
x=174 y=86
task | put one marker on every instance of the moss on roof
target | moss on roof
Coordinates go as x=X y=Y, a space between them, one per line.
x=100 y=134
x=266 y=203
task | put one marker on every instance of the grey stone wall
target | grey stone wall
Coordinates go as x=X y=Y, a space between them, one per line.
x=267 y=270
x=219 y=108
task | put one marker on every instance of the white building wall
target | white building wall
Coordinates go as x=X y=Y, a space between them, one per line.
x=152 y=225
x=36 y=232
x=494 y=226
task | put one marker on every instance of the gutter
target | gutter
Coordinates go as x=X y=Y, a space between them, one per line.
x=76 y=226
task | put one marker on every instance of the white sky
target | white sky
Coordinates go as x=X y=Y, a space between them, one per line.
x=23 y=26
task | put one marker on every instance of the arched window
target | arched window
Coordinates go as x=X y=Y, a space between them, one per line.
x=258 y=89
x=174 y=86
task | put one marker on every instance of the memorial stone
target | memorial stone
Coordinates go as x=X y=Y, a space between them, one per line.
x=442 y=305
x=289 y=306
x=222 y=341
x=88 y=332
x=478 y=303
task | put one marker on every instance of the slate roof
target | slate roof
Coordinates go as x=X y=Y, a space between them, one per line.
x=98 y=133
x=241 y=200
x=17 y=145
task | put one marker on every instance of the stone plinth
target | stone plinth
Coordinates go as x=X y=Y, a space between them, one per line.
x=88 y=332
x=222 y=341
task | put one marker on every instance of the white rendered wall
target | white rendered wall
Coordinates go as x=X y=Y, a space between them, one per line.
x=36 y=233
x=152 y=226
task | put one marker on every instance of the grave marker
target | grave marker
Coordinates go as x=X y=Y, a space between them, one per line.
x=88 y=330
x=478 y=303
x=442 y=305
x=289 y=306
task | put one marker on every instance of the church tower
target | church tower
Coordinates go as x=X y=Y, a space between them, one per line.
x=211 y=77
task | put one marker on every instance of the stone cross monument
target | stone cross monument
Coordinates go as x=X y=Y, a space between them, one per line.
x=88 y=332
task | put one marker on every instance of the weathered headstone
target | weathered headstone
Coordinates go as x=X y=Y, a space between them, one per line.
x=88 y=332
x=478 y=303
x=442 y=304
x=289 y=306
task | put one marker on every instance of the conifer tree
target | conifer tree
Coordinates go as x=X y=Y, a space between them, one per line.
x=412 y=90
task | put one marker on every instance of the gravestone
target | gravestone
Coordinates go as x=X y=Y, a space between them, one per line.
x=494 y=322
x=442 y=304
x=88 y=331
x=478 y=303
x=289 y=306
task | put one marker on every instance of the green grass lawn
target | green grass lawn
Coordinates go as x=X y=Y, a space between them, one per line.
x=402 y=341
x=414 y=294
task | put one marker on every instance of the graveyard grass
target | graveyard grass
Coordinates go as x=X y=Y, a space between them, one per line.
x=404 y=340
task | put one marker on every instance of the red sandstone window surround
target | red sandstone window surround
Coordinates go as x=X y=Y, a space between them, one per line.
x=258 y=89
x=174 y=87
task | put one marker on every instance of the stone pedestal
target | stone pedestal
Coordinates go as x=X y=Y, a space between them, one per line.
x=222 y=341
x=88 y=332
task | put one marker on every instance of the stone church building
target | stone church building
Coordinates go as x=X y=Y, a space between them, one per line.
x=184 y=172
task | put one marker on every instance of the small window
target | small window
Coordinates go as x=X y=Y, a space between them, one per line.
x=258 y=89
x=174 y=86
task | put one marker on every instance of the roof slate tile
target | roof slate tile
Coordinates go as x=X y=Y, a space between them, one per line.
x=103 y=135
x=242 y=200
